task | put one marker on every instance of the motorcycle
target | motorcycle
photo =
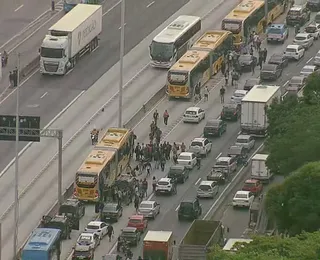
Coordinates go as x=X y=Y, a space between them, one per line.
x=94 y=139
x=128 y=254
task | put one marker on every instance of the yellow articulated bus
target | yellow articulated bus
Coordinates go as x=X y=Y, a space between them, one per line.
x=197 y=65
x=109 y=158
x=248 y=17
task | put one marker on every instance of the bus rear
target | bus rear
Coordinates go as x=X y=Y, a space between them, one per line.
x=171 y=43
x=186 y=73
x=91 y=176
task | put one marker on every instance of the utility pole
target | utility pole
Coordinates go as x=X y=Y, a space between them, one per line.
x=16 y=174
x=123 y=6
x=60 y=199
x=266 y=12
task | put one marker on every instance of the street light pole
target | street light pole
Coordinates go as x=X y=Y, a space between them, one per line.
x=266 y=11
x=16 y=175
x=123 y=6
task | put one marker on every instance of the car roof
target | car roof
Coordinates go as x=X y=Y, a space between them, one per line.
x=199 y=139
x=165 y=179
x=86 y=234
x=309 y=67
x=244 y=136
x=148 y=201
x=269 y=65
x=293 y=46
x=95 y=223
x=186 y=153
x=207 y=182
x=302 y=34
x=242 y=192
x=136 y=216
x=251 y=181
x=223 y=158
x=129 y=229
x=192 y=108
x=277 y=55
x=241 y=91
x=177 y=166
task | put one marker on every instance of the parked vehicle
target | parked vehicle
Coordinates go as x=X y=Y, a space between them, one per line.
x=246 y=141
x=228 y=164
x=245 y=61
x=214 y=127
x=243 y=199
x=259 y=169
x=297 y=82
x=149 y=209
x=307 y=70
x=179 y=173
x=314 y=30
x=298 y=14
x=97 y=227
x=200 y=146
x=270 y=72
x=279 y=59
x=189 y=209
x=207 y=189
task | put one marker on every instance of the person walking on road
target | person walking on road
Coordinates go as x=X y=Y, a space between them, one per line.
x=156 y=117
x=222 y=92
x=206 y=93
x=165 y=117
x=110 y=232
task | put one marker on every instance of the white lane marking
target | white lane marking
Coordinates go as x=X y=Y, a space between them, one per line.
x=124 y=25
x=44 y=95
x=17 y=9
x=14 y=90
x=198 y=181
x=218 y=155
x=150 y=4
x=310 y=60
x=111 y=8
x=177 y=208
x=286 y=83
x=239 y=132
x=227 y=187
x=48 y=125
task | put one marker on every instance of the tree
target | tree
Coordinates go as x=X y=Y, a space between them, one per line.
x=311 y=93
x=294 y=205
x=302 y=247
x=293 y=135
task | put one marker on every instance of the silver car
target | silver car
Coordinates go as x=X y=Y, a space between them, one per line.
x=246 y=141
x=238 y=95
x=149 y=209
x=304 y=39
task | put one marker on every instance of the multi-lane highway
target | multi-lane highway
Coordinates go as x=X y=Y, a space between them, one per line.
x=37 y=176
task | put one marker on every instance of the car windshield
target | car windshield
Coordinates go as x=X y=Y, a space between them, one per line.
x=92 y=227
x=110 y=208
x=228 y=109
x=215 y=123
x=307 y=70
x=295 y=81
x=204 y=187
x=290 y=50
x=300 y=38
x=274 y=31
x=188 y=112
x=268 y=67
x=241 y=196
x=184 y=157
x=242 y=140
x=311 y=29
x=243 y=58
x=135 y=220
x=222 y=163
x=238 y=94
x=163 y=183
x=194 y=143
x=145 y=206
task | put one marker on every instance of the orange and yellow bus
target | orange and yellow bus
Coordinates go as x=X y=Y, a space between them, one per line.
x=198 y=64
x=249 y=16
x=108 y=159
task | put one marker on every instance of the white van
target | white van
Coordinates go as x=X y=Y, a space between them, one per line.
x=207 y=189
x=317 y=18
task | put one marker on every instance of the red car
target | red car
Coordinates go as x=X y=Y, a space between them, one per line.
x=139 y=222
x=254 y=186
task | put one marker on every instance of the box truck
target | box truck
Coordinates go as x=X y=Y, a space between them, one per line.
x=259 y=169
x=72 y=36
x=158 y=245
x=201 y=235
x=254 y=109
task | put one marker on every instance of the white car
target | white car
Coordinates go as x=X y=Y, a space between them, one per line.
x=316 y=60
x=243 y=199
x=314 y=30
x=294 y=51
x=307 y=70
x=207 y=189
x=304 y=39
x=97 y=227
x=88 y=239
x=188 y=159
x=165 y=185
x=149 y=209
x=238 y=95
x=200 y=145
x=193 y=115
x=246 y=141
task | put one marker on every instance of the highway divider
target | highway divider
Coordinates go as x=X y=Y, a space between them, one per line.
x=29 y=68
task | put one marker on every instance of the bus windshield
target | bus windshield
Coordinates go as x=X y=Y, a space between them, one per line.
x=84 y=180
x=177 y=78
x=231 y=25
x=161 y=51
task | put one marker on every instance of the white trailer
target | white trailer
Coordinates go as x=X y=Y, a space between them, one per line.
x=259 y=169
x=72 y=36
x=254 y=109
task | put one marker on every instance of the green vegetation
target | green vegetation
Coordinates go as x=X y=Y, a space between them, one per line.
x=302 y=247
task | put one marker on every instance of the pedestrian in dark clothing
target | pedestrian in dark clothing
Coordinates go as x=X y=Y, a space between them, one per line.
x=234 y=77
x=251 y=50
x=136 y=203
x=264 y=53
x=222 y=92
x=226 y=77
x=110 y=232
x=137 y=151
x=165 y=117
x=198 y=161
x=260 y=60
x=155 y=116
x=253 y=65
x=162 y=163
x=223 y=67
x=145 y=188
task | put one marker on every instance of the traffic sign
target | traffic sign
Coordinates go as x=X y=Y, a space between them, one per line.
x=25 y=123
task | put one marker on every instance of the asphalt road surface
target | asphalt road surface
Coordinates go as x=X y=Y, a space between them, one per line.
x=37 y=175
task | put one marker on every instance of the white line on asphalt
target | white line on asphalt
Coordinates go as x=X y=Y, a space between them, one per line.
x=239 y=132
x=111 y=8
x=44 y=95
x=285 y=83
x=48 y=125
x=218 y=155
x=227 y=187
x=310 y=60
x=124 y=25
x=198 y=181
x=17 y=9
x=150 y=4
x=177 y=208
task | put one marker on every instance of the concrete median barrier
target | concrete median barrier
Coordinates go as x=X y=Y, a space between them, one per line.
x=29 y=68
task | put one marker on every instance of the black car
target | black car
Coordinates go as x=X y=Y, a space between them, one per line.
x=189 y=209
x=313 y=5
x=217 y=175
x=250 y=83
x=131 y=235
x=246 y=60
x=111 y=212
x=58 y=222
x=279 y=59
x=231 y=111
x=270 y=72
x=74 y=210
x=214 y=127
x=297 y=82
x=178 y=173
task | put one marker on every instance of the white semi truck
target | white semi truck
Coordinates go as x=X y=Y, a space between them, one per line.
x=254 y=109
x=72 y=36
